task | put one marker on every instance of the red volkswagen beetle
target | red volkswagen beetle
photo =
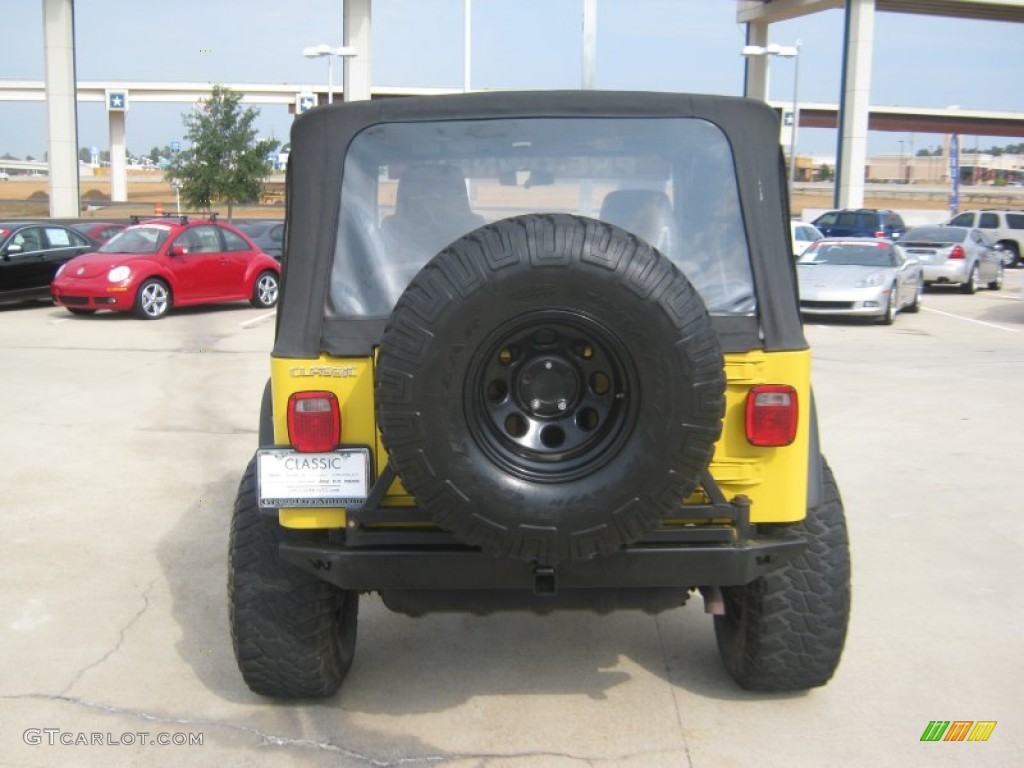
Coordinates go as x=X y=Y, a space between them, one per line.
x=156 y=264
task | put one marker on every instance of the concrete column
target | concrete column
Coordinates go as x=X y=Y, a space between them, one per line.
x=855 y=103
x=118 y=158
x=755 y=77
x=61 y=106
x=357 y=34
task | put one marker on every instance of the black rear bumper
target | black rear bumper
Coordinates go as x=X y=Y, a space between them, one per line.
x=418 y=567
x=642 y=566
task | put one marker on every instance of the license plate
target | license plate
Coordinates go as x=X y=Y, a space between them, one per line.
x=288 y=478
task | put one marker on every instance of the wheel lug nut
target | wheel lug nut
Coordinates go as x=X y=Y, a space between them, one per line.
x=548 y=365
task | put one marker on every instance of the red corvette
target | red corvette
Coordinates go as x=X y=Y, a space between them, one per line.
x=154 y=265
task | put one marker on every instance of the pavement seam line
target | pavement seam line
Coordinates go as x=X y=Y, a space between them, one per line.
x=672 y=688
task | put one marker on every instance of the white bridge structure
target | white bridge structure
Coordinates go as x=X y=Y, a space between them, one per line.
x=853 y=114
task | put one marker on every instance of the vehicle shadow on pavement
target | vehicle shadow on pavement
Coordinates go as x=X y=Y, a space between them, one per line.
x=437 y=662
x=1009 y=312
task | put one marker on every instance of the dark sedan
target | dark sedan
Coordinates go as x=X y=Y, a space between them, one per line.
x=31 y=252
x=268 y=234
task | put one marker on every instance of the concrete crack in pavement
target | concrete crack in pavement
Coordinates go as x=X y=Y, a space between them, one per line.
x=117 y=645
x=265 y=738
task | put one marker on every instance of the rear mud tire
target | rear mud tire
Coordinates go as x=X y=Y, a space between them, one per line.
x=549 y=387
x=294 y=635
x=786 y=631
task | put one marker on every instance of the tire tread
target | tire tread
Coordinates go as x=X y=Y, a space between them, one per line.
x=792 y=625
x=293 y=634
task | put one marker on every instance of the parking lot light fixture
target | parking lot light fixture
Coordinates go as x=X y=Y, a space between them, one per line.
x=316 y=51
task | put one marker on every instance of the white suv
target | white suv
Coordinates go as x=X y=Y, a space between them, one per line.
x=1006 y=228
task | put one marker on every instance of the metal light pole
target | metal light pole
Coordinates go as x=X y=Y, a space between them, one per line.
x=316 y=51
x=589 y=43
x=467 y=42
x=786 y=52
x=796 y=114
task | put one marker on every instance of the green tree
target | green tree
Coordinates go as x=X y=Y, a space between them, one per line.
x=225 y=161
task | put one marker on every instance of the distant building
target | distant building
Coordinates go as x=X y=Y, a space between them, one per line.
x=975 y=168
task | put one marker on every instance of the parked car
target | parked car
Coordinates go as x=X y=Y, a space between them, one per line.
x=100 y=231
x=31 y=252
x=268 y=234
x=148 y=268
x=803 y=234
x=868 y=277
x=960 y=255
x=1005 y=228
x=4 y=176
x=518 y=400
x=861 y=222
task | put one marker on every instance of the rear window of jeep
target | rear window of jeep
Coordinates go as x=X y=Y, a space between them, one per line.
x=410 y=189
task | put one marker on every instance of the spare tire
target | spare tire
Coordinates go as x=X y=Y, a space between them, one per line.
x=549 y=387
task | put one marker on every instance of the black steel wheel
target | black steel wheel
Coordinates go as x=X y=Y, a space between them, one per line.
x=551 y=395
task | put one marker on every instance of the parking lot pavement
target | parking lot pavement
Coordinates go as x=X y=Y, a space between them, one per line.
x=124 y=441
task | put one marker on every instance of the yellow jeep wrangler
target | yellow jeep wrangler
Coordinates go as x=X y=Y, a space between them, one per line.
x=538 y=351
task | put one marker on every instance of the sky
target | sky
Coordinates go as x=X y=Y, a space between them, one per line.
x=660 y=45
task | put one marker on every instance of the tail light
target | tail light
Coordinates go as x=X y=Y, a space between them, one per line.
x=957 y=252
x=771 y=415
x=314 y=421
x=880 y=233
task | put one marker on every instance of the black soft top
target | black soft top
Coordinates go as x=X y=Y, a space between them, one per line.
x=320 y=140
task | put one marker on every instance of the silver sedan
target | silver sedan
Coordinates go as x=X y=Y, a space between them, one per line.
x=960 y=255
x=858 y=276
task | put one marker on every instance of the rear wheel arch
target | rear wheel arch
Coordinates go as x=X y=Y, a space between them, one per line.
x=266 y=431
x=815 y=471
